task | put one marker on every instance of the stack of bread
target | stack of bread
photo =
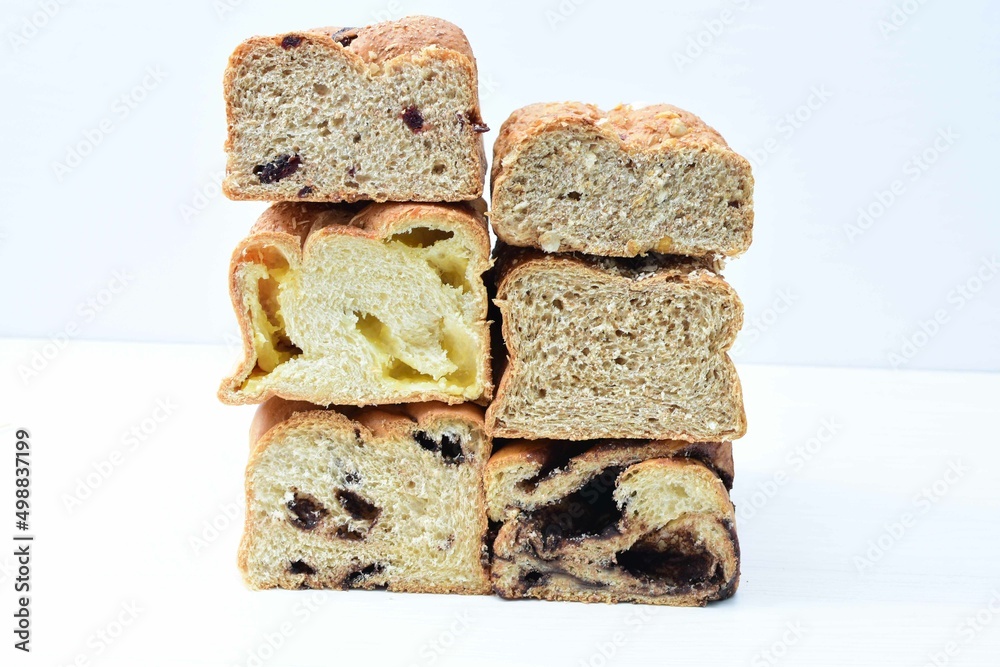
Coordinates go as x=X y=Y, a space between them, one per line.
x=361 y=294
x=612 y=228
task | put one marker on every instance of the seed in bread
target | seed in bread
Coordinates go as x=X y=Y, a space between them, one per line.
x=570 y=177
x=366 y=498
x=348 y=306
x=388 y=112
x=616 y=348
x=613 y=521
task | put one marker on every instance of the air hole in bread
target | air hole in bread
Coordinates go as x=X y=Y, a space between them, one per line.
x=421 y=237
x=531 y=579
x=271 y=342
x=672 y=557
x=300 y=567
x=591 y=511
x=321 y=89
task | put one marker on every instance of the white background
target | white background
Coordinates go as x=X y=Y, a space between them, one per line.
x=888 y=81
x=867 y=500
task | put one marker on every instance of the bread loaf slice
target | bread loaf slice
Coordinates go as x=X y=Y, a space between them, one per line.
x=616 y=348
x=366 y=498
x=613 y=521
x=570 y=177
x=385 y=112
x=357 y=306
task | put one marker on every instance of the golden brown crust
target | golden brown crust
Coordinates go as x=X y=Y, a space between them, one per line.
x=549 y=454
x=640 y=129
x=639 y=274
x=277 y=415
x=291 y=229
x=381 y=45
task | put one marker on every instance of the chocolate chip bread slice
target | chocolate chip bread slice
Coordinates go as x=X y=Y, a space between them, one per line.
x=616 y=348
x=359 y=306
x=613 y=521
x=570 y=177
x=389 y=112
x=366 y=498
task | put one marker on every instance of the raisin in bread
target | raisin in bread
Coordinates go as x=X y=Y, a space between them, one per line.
x=356 y=306
x=385 y=112
x=570 y=177
x=366 y=498
x=613 y=521
x=616 y=348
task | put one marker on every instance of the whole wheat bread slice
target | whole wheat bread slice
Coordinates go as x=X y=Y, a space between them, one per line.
x=570 y=177
x=615 y=348
x=388 y=112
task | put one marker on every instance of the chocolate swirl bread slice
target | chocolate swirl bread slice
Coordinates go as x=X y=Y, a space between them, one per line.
x=385 y=112
x=616 y=348
x=613 y=521
x=366 y=498
x=357 y=306
x=570 y=177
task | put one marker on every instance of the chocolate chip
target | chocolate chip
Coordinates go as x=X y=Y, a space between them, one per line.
x=307 y=510
x=355 y=578
x=574 y=195
x=359 y=508
x=480 y=127
x=279 y=168
x=735 y=204
x=306 y=191
x=345 y=532
x=449 y=447
x=300 y=567
x=352 y=478
x=345 y=36
x=291 y=41
x=413 y=119
x=426 y=441
x=351 y=171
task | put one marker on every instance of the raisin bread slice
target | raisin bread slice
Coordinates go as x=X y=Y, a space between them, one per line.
x=348 y=306
x=616 y=348
x=366 y=498
x=613 y=522
x=570 y=177
x=388 y=112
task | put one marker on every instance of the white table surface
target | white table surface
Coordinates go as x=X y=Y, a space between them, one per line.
x=128 y=553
